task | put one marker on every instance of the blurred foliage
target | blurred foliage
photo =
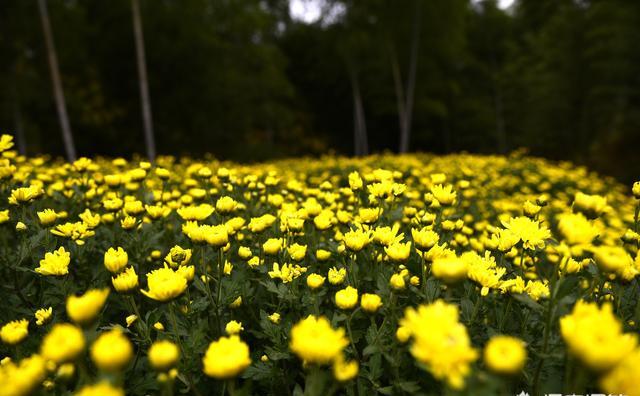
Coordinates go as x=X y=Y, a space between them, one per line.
x=242 y=80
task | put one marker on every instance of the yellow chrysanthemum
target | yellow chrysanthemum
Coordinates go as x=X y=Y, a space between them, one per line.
x=165 y=284
x=226 y=358
x=314 y=341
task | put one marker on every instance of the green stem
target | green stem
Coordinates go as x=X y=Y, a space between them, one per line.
x=476 y=309
x=219 y=291
x=547 y=332
x=504 y=315
x=231 y=386
x=353 y=345
x=174 y=326
x=140 y=323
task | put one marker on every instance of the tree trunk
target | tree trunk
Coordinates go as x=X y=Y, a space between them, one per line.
x=399 y=90
x=360 y=126
x=58 y=93
x=21 y=142
x=405 y=135
x=360 y=141
x=500 y=131
x=364 y=141
x=144 y=85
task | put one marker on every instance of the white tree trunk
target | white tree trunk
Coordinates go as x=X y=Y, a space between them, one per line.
x=405 y=135
x=147 y=120
x=58 y=93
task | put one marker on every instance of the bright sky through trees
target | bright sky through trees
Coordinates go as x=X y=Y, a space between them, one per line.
x=310 y=11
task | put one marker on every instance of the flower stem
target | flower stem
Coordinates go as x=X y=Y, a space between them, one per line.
x=353 y=345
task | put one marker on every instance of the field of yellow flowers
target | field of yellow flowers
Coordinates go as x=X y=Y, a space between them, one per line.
x=391 y=275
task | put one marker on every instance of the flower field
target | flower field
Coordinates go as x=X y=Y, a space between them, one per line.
x=392 y=275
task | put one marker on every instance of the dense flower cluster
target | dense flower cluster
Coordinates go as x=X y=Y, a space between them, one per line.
x=378 y=275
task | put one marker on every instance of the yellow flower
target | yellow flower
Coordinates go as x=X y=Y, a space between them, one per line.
x=369 y=215
x=570 y=266
x=323 y=255
x=197 y=213
x=163 y=355
x=233 y=327
x=398 y=251
x=274 y=318
x=424 y=238
x=63 y=343
x=89 y=219
x=314 y=341
x=355 y=181
x=440 y=342
x=505 y=354
x=286 y=273
x=84 y=309
x=128 y=222
x=315 y=281
x=612 y=258
x=236 y=303
x=165 y=284
x=576 y=229
x=100 y=389
x=272 y=246
x=397 y=282
x=55 y=263
x=133 y=208
x=259 y=224
x=195 y=232
x=47 y=217
x=178 y=256
x=357 y=239
x=347 y=298
x=444 y=194
x=226 y=358
x=530 y=232
x=370 y=302
x=595 y=335
x=65 y=371
x=112 y=350
x=403 y=334
x=624 y=378
x=344 y=371
x=537 y=290
x=6 y=142
x=216 y=236
x=530 y=209
x=4 y=216
x=449 y=269
x=226 y=205
x=244 y=252
x=158 y=326
x=635 y=190
x=23 y=195
x=187 y=272
x=336 y=276
x=591 y=205
x=43 y=315
x=115 y=259
x=228 y=267
x=126 y=281
x=112 y=204
x=131 y=319
x=297 y=252
x=22 y=378
x=14 y=332
x=20 y=226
